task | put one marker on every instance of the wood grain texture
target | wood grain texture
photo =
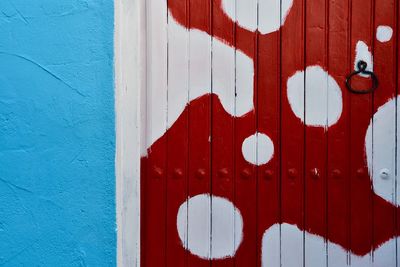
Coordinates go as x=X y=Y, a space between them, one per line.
x=235 y=92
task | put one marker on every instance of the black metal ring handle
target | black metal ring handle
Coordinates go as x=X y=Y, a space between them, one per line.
x=362 y=68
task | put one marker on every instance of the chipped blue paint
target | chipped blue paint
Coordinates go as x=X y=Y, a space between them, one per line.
x=57 y=148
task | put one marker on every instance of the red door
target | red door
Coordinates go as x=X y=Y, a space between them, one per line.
x=258 y=151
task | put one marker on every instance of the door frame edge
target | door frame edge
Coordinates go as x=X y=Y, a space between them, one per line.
x=130 y=99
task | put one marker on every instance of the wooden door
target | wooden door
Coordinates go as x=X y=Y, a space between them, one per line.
x=258 y=153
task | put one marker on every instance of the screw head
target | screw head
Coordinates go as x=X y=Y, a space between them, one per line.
x=178 y=173
x=360 y=173
x=157 y=172
x=246 y=174
x=315 y=173
x=223 y=172
x=384 y=174
x=201 y=173
x=292 y=173
x=268 y=174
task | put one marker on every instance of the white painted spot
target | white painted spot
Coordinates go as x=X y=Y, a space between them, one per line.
x=384 y=33
x=270 y=248
x=291 y=253
x=258 y=149
x=363 y=53
x=193 y=222
x=223 y=77
x=380 y=149
x=269 y=13
x=323 y=97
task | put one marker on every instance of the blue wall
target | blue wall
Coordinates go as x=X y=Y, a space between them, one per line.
x=57 y=139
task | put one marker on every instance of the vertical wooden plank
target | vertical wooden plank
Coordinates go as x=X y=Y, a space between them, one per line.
x=396 y=37
x=154 y=182
x=360 y=114
x=338 y=137
x=383 y=132
x=245 y=127
x=200 y=125
x=177 y=136
x=268 y=122
x=292 y=136
x=222 y=135
x=318 y=106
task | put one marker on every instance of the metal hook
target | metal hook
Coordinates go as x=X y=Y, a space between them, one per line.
x=362 y=68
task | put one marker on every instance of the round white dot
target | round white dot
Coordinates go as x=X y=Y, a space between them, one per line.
x=380 y=141
x=258 y=149
x=322 y=95
x=270 y=18
x=384 y=33
x=210 y=227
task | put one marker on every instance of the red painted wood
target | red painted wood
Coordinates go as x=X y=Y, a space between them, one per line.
x=245 y=172
x=154 y=206
x=292 y=129
x=360 y=114
x=385 y=69
x=316 y=54
x=154 y=164
x=177 y=149
x=222 y=161
x=338 y=156
x=268 y=122
x=225 y=24
x=339 y=204
x=200 y=157
x=396 y=37
x=222 y=126
x=177 y=160
x=200 y=126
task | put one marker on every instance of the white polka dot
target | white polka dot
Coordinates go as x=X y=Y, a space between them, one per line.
x=244 y=12
x=258 y=149
x=210 y=215
x=384 y=33
x=380 y=149
x=363 y=53
x=323 y=97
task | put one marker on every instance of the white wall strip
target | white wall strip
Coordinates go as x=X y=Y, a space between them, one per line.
x=130 y=67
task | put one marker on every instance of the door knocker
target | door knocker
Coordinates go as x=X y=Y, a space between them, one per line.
x=362 y=68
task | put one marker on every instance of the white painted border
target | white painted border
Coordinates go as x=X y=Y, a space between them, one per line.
x=130 y=67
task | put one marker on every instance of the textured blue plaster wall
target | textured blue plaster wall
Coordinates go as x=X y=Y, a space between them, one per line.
x=57 y=181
